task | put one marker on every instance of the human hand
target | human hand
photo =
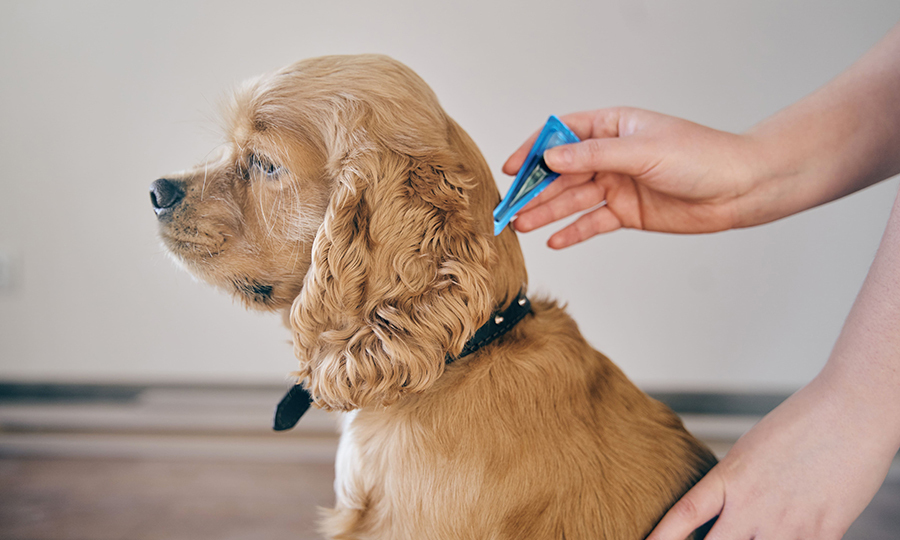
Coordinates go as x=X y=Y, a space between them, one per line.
x=807 y=470
x=653 y=172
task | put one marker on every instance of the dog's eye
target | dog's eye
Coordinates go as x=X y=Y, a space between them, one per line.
x=263 y=166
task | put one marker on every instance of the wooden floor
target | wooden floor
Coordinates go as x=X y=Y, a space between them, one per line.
x=176 y=465
x=123 y=499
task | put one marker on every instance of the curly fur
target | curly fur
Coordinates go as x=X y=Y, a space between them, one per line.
x=386 y=299
x=348 y=200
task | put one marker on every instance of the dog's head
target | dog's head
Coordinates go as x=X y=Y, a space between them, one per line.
x=348 y=198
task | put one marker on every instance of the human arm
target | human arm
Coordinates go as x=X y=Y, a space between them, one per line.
x=661 y=173
x=810 y=467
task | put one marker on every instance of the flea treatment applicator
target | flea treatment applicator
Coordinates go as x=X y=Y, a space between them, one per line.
x=534 y=175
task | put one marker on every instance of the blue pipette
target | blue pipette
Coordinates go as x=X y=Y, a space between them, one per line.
x=534 y=175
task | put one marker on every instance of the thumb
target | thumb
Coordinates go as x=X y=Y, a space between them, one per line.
x=699 y=505
x=612 y=154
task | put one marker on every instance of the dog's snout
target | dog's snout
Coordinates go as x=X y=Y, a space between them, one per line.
x=165 y=195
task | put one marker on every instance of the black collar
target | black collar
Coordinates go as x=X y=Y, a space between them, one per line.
x=298 y=399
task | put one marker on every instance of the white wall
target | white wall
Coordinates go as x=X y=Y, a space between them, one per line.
x=99 y=99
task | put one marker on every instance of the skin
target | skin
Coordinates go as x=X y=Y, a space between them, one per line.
x=810 y=467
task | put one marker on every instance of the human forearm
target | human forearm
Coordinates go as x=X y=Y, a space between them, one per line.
x=840 y=139
x=865 y=361
x=810 y=467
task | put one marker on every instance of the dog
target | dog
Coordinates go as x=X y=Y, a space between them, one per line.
x=349 y=201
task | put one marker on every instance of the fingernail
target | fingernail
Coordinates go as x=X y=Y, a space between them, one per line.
x=557 y=157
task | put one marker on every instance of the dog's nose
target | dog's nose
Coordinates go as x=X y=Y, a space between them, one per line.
x=165 y=195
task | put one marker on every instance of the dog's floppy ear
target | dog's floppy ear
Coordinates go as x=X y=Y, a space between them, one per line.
x=399 y=278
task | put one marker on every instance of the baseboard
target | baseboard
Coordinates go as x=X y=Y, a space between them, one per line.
x=683 y=402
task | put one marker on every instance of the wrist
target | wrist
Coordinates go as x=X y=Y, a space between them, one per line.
x=768 y=179
x=862 y=408
x=790 y=170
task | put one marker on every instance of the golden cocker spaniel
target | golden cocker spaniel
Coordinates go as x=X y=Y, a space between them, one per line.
x=347 y=199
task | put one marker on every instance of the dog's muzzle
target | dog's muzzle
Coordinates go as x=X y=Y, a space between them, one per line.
x=165 y=195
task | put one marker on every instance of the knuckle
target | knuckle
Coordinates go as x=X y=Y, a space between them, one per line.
x=686 y=509
x=593 y=147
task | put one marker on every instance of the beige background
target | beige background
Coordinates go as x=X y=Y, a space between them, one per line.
x=99 y=99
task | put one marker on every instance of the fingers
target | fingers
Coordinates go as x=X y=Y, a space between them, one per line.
x=601 y=123
x=558 y=186
x=599 y=221
x=616 y=155
x=628 y=155
x=699 y=505
x=583 y=183
x=587 y=125
x=565 y=196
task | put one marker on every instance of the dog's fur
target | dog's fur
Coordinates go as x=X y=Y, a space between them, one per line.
x=347 y=199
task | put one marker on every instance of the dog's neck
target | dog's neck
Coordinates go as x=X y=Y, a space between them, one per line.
x=298 y=399
x=499 y=324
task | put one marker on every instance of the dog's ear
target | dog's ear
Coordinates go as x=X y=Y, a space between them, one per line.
x=400 y=278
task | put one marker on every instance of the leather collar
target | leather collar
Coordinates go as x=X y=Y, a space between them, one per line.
x=298 y=399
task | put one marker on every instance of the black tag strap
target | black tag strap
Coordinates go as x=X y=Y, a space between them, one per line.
x=296 y=402
x=291 y=407
x=497 y=325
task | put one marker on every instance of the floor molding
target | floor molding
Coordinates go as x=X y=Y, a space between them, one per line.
x=730 y=403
